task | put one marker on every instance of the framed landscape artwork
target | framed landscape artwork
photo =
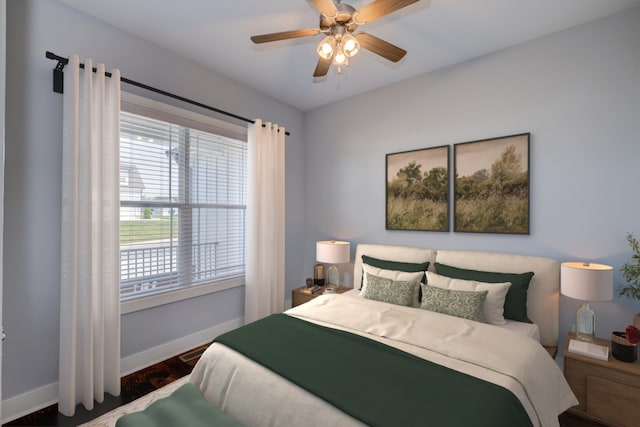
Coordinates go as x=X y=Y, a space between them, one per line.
x=417 y=190
x=491 y=185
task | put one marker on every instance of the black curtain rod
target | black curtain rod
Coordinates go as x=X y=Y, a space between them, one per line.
x=58 y=87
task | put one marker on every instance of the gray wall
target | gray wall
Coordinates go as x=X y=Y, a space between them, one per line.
x=577 y=92
x=33 y=164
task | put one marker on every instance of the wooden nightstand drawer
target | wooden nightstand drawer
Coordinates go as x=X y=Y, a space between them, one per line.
x=617 y=403
x=301 y=297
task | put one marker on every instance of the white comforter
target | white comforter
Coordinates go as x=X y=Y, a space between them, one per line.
x=249 y=392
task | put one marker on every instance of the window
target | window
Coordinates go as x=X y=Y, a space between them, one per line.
x=182 y=200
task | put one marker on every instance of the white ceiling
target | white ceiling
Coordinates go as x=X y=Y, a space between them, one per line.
x=436 y=34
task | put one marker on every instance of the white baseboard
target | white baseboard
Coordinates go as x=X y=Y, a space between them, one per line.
x=31 y=401
x=157 y=354
x=34 y=400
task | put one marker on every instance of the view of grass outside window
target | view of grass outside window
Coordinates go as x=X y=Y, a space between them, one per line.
x=134 y=231
x=182 y=206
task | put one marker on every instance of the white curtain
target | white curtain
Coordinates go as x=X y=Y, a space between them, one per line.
x=90 y=265
x=264 y=272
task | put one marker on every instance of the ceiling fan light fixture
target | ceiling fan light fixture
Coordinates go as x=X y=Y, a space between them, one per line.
x=338 y=22
x=350 y=45
x=326 y=47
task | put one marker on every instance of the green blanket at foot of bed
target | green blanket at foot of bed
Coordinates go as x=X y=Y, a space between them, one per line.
x=374 y=383
x=184 y=407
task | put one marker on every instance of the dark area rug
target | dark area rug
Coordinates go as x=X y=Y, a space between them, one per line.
x=152 y=378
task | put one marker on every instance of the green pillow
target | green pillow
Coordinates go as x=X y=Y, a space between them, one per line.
x=515 y=303
x=408 y=267
x=465 y=304
x=387 y=290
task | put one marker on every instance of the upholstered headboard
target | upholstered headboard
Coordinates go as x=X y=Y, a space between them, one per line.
x=543 y=294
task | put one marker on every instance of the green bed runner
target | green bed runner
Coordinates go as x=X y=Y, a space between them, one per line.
x=184 y=407
x=374 y=383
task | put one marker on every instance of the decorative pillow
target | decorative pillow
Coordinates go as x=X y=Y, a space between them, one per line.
x=465 y=304
x=515 y=305
x=493 y=304
x=394 y=275
x=387 y=290
x=409 y=267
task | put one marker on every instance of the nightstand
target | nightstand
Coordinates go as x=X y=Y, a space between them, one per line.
x=608 y=391
x=303 y=294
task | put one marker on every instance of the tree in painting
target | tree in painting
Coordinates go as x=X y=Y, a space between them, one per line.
x=418 y=200
x=494 y=200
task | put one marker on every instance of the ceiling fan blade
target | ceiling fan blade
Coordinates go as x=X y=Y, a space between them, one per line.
x=326 y=7
x=264 y=38
x=322 y=68
x=379 y=8
x=385 y=49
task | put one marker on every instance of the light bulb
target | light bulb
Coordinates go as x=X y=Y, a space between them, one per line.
x=326 y=47
x=350 y=45
x=340 y=57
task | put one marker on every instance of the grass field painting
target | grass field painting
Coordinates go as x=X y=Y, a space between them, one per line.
x=417 y=194
x=491 y=185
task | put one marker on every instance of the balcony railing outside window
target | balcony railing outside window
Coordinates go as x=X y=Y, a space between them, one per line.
x=155 y=268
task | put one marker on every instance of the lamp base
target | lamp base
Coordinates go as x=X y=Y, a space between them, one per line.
x=585 y=323
x=333 y=276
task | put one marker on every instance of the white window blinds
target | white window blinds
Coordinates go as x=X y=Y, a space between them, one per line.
x=182 y=208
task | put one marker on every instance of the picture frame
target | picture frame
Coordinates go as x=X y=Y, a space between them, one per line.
x=417 y=190
x=491 y=185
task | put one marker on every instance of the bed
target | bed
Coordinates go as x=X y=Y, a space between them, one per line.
x=359 y=359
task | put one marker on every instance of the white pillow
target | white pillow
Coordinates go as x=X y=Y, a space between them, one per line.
x=396 y=276
x=493 y=304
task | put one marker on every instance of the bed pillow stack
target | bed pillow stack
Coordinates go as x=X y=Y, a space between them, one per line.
x=400 y=280
x=515 y=305
x=505 y=297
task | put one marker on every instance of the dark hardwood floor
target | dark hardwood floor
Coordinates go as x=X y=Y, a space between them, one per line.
x=149 y=379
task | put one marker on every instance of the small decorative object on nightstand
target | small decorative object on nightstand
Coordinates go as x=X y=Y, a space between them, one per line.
x=622 y=348
x=587 y=282
x=318 y=274
x=608 y=391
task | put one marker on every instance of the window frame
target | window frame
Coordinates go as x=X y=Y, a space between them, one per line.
x=136 y=104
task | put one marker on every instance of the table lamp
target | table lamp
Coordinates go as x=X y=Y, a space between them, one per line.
x=587 y=282
x=333 y=252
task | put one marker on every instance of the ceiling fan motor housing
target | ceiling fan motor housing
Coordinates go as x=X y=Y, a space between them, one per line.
x=343 y=17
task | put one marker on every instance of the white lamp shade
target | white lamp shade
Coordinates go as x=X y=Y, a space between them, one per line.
x=333 y=252
x=586 y=281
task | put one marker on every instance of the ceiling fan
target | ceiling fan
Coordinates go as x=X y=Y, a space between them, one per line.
x=339 y=22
